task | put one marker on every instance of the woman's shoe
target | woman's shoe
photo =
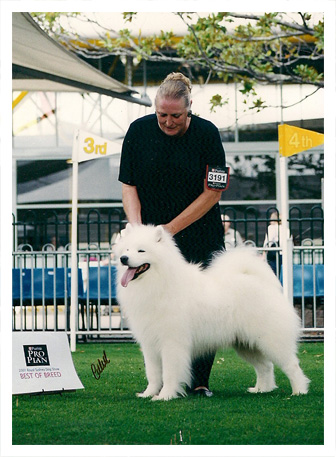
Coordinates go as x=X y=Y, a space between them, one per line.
x=202 y=392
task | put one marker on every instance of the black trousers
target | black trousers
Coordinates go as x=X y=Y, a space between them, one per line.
x=201 y=368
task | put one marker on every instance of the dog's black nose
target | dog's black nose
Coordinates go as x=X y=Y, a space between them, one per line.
x=124 y=259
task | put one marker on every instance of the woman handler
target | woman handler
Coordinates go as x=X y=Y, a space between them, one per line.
x=164 y=163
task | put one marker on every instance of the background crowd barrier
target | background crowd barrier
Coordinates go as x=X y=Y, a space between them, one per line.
x=41 y=296
x=97 y=227
x=42 y=260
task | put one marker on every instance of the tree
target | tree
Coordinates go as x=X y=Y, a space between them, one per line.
x=269 y=48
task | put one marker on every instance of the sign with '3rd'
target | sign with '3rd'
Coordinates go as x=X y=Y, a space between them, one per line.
x=88 y=146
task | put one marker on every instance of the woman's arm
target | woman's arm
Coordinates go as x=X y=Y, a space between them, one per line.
x=197 y=209
x=131 y=202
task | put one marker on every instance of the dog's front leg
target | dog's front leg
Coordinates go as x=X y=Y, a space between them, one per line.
x=153 y=367
x=175 y=372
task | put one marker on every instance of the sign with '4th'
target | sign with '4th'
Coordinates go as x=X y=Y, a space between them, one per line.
x=293 y=140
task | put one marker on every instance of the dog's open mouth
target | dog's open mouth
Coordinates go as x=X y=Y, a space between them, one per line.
x=133 y=273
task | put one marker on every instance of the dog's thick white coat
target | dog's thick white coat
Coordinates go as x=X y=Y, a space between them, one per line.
x=177 y=310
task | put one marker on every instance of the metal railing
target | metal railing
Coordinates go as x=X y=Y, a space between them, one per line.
x=98 y=225
x=41 y=291
x=309 y=296
x=41 y=251
x=38 y=228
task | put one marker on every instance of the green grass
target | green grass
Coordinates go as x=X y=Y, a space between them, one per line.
x=108 y=412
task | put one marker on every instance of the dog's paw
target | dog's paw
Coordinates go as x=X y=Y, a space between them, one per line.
x=162 y=398
x=142 y=395
x=253 y=390
x=149 y=392
x=157 y=397
x=259 y=390
x=165 y=396
x=300 y=392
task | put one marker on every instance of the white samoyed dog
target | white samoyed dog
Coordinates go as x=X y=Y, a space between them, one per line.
x=178 y=311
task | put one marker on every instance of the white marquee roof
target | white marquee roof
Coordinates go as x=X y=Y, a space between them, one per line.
x=42 y=64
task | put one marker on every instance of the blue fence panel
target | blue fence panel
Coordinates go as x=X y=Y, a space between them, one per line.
x=48 y=283
x=320 y=280
x=80 y=286
x=21 y=283
x=101 y=283
x=305 y=274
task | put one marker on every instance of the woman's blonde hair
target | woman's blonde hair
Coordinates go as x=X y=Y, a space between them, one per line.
x=175 y=86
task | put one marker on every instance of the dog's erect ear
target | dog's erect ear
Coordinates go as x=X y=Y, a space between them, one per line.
x=126 y=230
x=159 y=232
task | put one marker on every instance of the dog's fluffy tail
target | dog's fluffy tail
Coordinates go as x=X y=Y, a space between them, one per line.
x=244 y=260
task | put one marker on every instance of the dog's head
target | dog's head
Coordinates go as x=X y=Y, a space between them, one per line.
x=137 y=250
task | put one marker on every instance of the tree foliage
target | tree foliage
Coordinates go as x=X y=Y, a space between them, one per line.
x=269 y=48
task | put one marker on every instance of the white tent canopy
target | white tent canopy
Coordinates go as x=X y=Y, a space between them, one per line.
x=42 y=64
x=92 y=184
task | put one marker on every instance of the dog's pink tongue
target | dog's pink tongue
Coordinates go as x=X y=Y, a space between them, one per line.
x=128 y=276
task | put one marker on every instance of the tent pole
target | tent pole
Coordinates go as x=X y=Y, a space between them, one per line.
x=74 y=263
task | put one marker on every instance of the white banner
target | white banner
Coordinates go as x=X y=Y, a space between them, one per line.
x=42 y=362
x=90 y=146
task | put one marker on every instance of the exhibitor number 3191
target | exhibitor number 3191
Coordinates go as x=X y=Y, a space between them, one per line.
x=217 y=177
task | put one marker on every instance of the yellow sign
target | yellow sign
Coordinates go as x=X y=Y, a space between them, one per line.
x=89 y=146
x=293 y=140
x=92 y=147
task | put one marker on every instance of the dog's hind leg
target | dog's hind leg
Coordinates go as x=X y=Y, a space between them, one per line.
x=263 y=367
x=290 y=366
x=283 y=354
x=286 y=359
x=153 y=367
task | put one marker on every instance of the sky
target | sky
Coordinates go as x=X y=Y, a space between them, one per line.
x=150 y=22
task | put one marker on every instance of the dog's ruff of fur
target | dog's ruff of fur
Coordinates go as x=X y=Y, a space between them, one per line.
x=177 y=311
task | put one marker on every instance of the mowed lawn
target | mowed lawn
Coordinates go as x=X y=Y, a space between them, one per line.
x=108 y=412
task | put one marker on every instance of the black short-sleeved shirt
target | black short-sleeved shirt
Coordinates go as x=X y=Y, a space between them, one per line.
x=169 y=174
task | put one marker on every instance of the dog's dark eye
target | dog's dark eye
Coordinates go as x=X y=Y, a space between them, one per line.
x=141 y=250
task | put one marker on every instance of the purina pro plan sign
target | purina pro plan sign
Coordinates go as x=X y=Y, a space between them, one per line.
x=42 y=362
